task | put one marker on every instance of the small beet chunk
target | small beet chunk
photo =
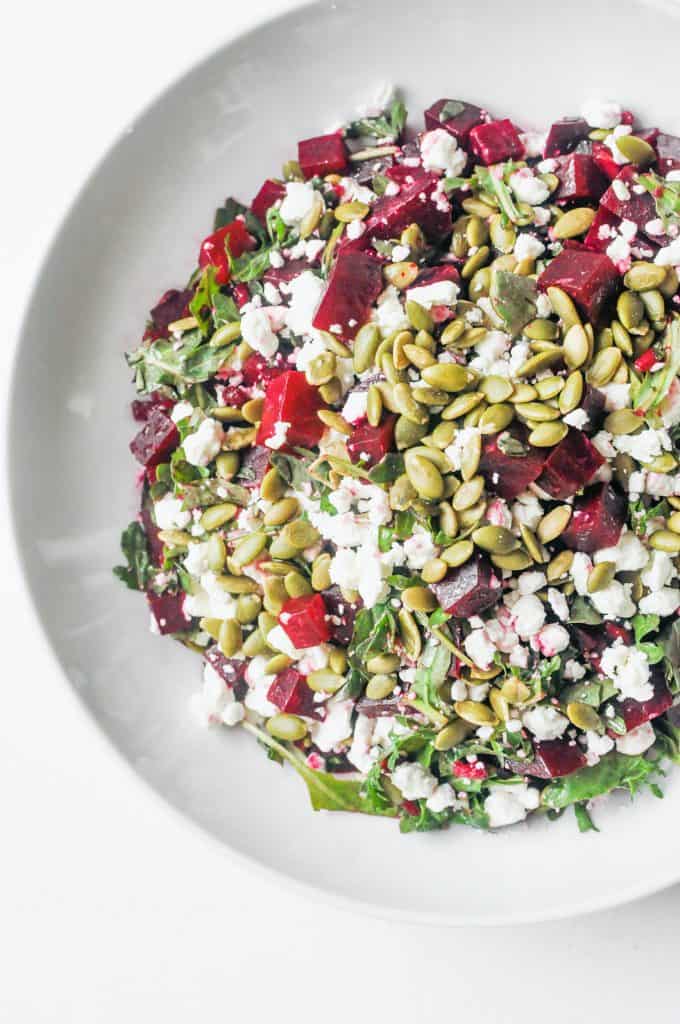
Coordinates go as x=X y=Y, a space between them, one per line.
x=143 y=407
x=603 y=157
x=167 y=611
x=290 y=399
x=589 y=278
x=508 y=475
x=553 y=759
x=639 y=207
x=602 y=231
x=580 y=178
x=341 y=615
x=324 y=154
x=213 y=251
x=458 y=119
x=305 y=620
x=597 y=519
x=496 y=141
x=570 y=465
x=155 y=544
x=257 y=370
x=468 y=590
x=415 y=203
x=232 y=671
x=157 y=438
x=367 y=445
x=173 y=305
x=593 y=405
x=668 y=150
x=291 y=694
x=354 y=285
x=270 y=192
x=564 y=136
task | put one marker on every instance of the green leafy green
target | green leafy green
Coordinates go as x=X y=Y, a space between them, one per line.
x=225 y=310
x=165 y=363
x=293 y=470
x=135 y=548
x=374 y=631
x=250 y=266
x=374 y=791
x=613 y=771
x=514 y=300
x=639 y=514
x=643 y=625
x=583 y=819
x=388 y=469
x=495 y=185
x=670 y=641
x=431 y=673
x=649 y=393
x=388 y=125
x=582 y=613
x=666 y=197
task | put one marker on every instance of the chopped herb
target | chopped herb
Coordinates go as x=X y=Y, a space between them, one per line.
x=135 y=548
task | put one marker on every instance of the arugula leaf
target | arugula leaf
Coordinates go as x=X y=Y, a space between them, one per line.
x=250 y=266
x=639 y=514
x=202 y=302
x=164 y=363
x=403 y=524
x=431 y=673
x=495 y=185
x=388 y=125
x=643 y=625
x=225 y=310
x=649 y=393
x=425 y=820
x=439 y=617
x=135 y=548
x=614 y=771
x=582 y=613
x=388 y=469
x=584 y=821
x=385 y=535
x=654 y=652
x=514 y=300
x=293 y=470
x=374 y=791
x=374 y=630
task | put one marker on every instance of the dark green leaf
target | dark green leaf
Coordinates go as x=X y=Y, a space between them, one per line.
x=385 y=536
x=514 y=300
x=431 y=673
x=388 y=469
x=251 y=265
x=670 y=639
x=135 y=548
x=225 y=310
x=643 y=625
x=582 y=613
x=583 y=819
x=614 y=771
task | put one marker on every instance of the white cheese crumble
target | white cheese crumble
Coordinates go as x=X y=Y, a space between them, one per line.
x=506 y=805
x=414 y=782
x=528 y=188
x=439 y=152
x=637 y=740
x=257 y=332
x=305 y=295
x=545 y=722
x=628 y=669
x=441 y=293
x=169 y=513
x=299 y=200
x=204 y=444
x=600 y=113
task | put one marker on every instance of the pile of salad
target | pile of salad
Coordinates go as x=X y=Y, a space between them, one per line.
x=410 y=487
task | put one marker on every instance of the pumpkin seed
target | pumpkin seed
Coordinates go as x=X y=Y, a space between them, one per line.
x=266 y=622
x=472 y=455
x=448 y=376
x=622 y=421
x=321 y=576
x=457 y=554
x=300 y=534
x=211 y=627
x=402 y=493
x=621 y=337
x=452 y=734
x=549 y=387
x=495 y=389
x=418 y=356
x=419 y=599
x=559 y=567
x=563 y=306
x=540 y=361
x=175 y=538
x=279 y=663
x=474 y=205
x=537 y=412
x=547 y=435
x=227 y=464
x=495 y=539
x=335 y=421
x=662 y=463
x=462 y=405
x=236 y=584
x=281 y=512
x=413 y=237
x=224 y=335
x=383 y=663
x=665 y=540
x=515 y=692
x=499 y=704
x=275 y=594
x=407 y=433
x=248 y=607
x=238 y=438
x=630 y=309
x=523 y=393
x=418 y=316
x=642 y=276
x=534 y=548
x=285 y=727
x=496 y=418
x=296 y=584
x=475 y=262
x=321 y=369
x=571 y=393
x=673 y=522
x=604 y=366
x=230 y=637
x=380 y=686
x=365 y=347
x=374 y=405
x=323 y=680
x=434 y=570
x=247 y=550
x=216 y=553
x=452 y=332
x=476 y=231
x=574 y=222
x=576 y=347
x=475 y=713
x=583 y=716
x=503 y=237
x=600 y=576
x=542 y=330
x=636 y=150
x=281 y=548
x=311 y=219
x=407 y=405
x=354 y=210
x=516 y=561
x=669 y=285
x=471 y=517
x=217 y=515
x=401 y=275
x=655 y=306
x=554 y=523
x=448 y=520
x=425 y=478
x=443 y=434
x=254 y=644
x=409 y=633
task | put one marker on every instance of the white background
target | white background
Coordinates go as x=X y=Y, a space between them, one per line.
x=111 y=908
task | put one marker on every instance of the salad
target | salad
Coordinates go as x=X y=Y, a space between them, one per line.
x=409 y=442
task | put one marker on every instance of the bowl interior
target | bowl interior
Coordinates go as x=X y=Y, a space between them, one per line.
x=134 y=231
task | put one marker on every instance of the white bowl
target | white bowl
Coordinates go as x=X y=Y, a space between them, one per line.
x=134 y=231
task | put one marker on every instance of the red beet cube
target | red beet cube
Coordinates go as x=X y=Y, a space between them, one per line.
x=638 y=207
x=509 y=474
x=286 y=273
x=602 y=155
x=157 y=438
x=254 y=465
x=499 y=140
x=167 y=611
x=324 y=154
x=231 y=670
x=570 y=465
x=468 y=590
x=589 y=278
x=552 y=760
x=668 y=151
x=291 y=694
x=368 y=445
x=290 y=399
x=270 y=192
x=173 y=305
x=305 y=620
x=597 y=519
x=635 y=712
x=457 y=124
x=354 y=285
x=580 y=178
x=151 y=530
x=341 y=615
x=417 y=202
x=564 y=136
x=257 y=370
x=431 y=275
x=213 y=251
x=143 y=407
x=602 y=231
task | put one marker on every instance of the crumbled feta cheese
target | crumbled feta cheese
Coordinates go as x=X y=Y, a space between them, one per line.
x=336 y=726
x=573 y=671
x=204 y=444
x=419 y=548
x=603 y=442
x=530 y=582
x=528 y=188
x=669 y=255
x=528 y=247
x=645 y=445
x=298 y=202
x=209 y=600
x=545 y=722
x=600 y=113
x=550 y=640
x=637 y=740
x=558 y=603
x=196 y=560
x=258 y=687
x=528 y=616
x=441 y=293
x=489 y=354
x=578 y=418
x=355 y=229
x=459 y=690
x=461 y=441
x=479 y=648
x=169 y=513
x=439 y=151
x=616 y=396
x=597 y=746
x=305 y=295
x=413 y=781
x=611 y=140
x=628 y=669
x=216 y=702
x=442 y=797
x=508 y=804
x=278 y=438
x=628 y=555
x=180 y=411
x=527 y=510
x=661 y=602
x=389 y=313
x=355 y=406
x=659 y=571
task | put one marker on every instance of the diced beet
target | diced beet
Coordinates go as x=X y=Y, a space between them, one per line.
x=597 y=519
x=157 y=438
x=639 y=207
x=602 y=231
x=173 y=305
x=565 y=135
x=374 y=442
x=416 y=203
x=341 y=615
x=570 y=465
x=636 y=713
x=305 y=620
x=143 y=407
x=355 y=283
x=580 y=178
x=592 y=640
x=231 y=670
x=602 y=155
x=468 y=590
x=457 y=124
x=257 y=370
x=290 y=399
x=286 y=273
x=324 y=154
x=589 y=278
x=254 y=464
x=668 y=151
x=432 y=275
x=553 y=759
x=403 y=174
x=509 y=475
x=213 y=251
x=168 y=612
x=241 y=294
x=151 y=531
x=291 y=694
x=233 y=394
x=499 y=140
x=593 y=405
x=270 y=192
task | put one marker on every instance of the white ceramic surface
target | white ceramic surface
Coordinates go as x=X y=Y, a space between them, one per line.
x=134 y=231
